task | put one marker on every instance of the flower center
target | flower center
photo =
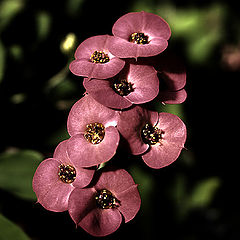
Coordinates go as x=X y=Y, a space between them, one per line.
x=94 y=133
x=105 y=200
x=151 y=135
x=67 y=173
x=122 y=87
x=138 y=38
x=99 y=57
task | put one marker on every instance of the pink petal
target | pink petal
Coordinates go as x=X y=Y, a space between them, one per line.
x=145 y=83
x=51 y=192
x=176 y=97
x=86 y=111
x=102 y=92
x=85 y=154
x=130 y=203
x=130 y=125
x=141 y=22
x=97 y=222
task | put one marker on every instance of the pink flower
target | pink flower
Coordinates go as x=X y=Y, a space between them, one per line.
x=135 y=84
x=55 y=178
x=158 y=137
x=139 y=34
x=94 y=137
x=172 y=76
x=93 y=59
x=99 y=209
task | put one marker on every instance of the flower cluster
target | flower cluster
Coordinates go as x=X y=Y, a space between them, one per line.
x=121 y=72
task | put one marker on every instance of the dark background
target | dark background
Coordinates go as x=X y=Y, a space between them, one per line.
x=194 y=198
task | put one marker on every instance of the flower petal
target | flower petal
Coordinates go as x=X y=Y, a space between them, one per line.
x=130 y=125
x=130 y=202
x=102 y=92
x=95 y=221
x=85 y=154
x=51 y=192
x=176 y=97
x=86 y=111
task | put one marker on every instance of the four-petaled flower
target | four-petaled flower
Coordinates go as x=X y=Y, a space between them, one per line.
x=135 y=84
x=158 y=137
x=139 y=34
x=94 y=137
x=55 y=178
x=93 y=59
x=99 y=208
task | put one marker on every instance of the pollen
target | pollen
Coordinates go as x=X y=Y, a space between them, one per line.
x=67 y=173
x=139 y=38
x=123 y=87
x=105 y=200
x=99 y=57
x=94 y=133
x=151 y=134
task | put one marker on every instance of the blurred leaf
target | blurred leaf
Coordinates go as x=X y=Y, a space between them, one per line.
x=10 y=231
x=73 y=6
x=43 y=24
x=16 y=172
x=204 y=192
x=8 y=10
x=2 y=60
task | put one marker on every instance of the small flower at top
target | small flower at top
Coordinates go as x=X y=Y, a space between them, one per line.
x=139 y=34
x=93 y=59
x=94 y=137
x=99 y=208
x=55 y=178
x=158 y=137
x=135 y=84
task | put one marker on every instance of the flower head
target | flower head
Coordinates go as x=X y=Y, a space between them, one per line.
x=99 y=208
x=55 y=178
x=159 y=137
x=93 y=59
x=139 y=34
x=94 y=137
x=135 y=84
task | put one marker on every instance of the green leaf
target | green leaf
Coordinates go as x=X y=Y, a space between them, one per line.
x=10 y=231
x=16 y=172
x=204 y=192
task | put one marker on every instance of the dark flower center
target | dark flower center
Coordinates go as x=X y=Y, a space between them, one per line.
x=105 y=200
x=138 y=38
x=151 y=135
x=99 y=57
x=122 y=87
x=67 y=173
x=94 y=133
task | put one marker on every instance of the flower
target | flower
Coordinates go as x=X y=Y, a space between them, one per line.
x=158 y=137
x=93 y=60
x=172 y=76
x=99 y=209
x=55 y=178
x=135 y=84
x=139 y=34
x=94 y=137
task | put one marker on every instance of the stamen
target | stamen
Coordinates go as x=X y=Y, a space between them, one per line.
x=123 y=87
x=94 y=133
x=99 y=57
x=151 y=135
x=138 y=38
x=67 y=173
x=105 y=200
